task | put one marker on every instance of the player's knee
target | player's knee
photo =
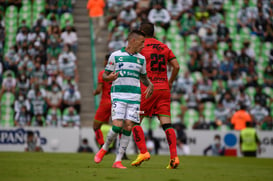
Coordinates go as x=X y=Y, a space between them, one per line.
x=167 y=126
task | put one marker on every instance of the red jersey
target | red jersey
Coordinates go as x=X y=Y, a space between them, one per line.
x=106 y=87
x=157 y=56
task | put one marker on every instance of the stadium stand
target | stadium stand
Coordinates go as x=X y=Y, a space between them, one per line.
x=39 y=64
x=223 y=48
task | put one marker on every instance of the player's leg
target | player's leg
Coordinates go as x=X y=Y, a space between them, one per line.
x=98 y=133
x=164 y=115
x=171 y=138
x=123 y=143
x=102 y=116
x=139 y=138
x=118 y=115
x=138 y=134
x=111 y=136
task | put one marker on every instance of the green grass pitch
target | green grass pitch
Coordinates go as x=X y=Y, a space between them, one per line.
x=81 y=167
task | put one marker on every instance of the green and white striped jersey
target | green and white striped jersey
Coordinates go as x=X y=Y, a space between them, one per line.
x=126 y=87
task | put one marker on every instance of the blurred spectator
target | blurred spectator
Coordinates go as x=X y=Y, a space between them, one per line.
x=68 y=69
x=8 y=84
x=205 y=91
x=54 y=97
x=37 y=36
x=54 y=117
x=244 y=17
x=84 y=147
x=217 y=5
x=249 y=50
x=67 y=53
x=217 y=148
x=52 y=67
x=240 y=117
x=38 y=74
x=36 y=96
x=192 y=101
x=160 y=17
x=241 y=96
x=201 y=124
x=268 y=34
x=38 y=120
x=222 y=32
x=12 y=59
x=259 y=114
x=195 y=52
x=70 y=117
x=23 y=83
x=96 y=12
x=175 y=9
x=259 y=25
x=32 y=143
x=143 y=7
x=222 y=116
x=22 y=117
x=268 y=76
x=64 y=6
x=261 y=97
x=22 y=36
x=234 y=83
x=226 y=68
x=187 y=24
x=127 y=16
x=228 y=101
x=116 y=43
x=230 y=52
x=72 y=98
x=210 y=66
x=21 y=101
x=215 y=18
x=70 y=37
x=243 y=61
x=184 y=84
x=51 y=6
x=209 y=41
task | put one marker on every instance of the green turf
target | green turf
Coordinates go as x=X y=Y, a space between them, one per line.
x=80 y=167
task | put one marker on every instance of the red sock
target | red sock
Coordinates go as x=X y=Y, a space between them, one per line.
x=139 y=138
x=171 y=137
x=99 y=137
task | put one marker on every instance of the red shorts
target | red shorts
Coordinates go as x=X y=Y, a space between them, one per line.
x=104 y=112
x=158 y=104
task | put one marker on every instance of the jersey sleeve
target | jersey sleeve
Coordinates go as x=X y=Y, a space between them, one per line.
x=110 y=67
x=171 y=56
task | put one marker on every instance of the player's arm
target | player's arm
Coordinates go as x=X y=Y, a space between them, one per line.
x=109 y=76
x=98 y=89
x=150 y=87
x=175 y=69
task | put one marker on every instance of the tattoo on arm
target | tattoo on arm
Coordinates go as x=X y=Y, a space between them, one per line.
x=144 y=79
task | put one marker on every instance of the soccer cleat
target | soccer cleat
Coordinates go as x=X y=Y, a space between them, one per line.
x=141 y=158
x=173 y=163
x=118 y=164
x=99 y=156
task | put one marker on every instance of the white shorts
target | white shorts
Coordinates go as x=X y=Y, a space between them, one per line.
x=125 y=111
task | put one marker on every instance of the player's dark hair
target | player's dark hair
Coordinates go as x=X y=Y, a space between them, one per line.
x=147 y=28
x=107 y=56
x=135 y=32
x=217 y=136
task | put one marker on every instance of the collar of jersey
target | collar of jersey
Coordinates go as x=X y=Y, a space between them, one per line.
x=123 y=50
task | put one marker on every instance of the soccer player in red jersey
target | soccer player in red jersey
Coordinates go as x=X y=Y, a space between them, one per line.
x=157 y=55
x=104 y=110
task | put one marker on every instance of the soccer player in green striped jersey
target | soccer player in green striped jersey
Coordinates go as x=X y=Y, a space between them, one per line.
x=126 y=68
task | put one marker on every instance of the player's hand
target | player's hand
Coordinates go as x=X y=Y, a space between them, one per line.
x=149 y=91
x=113 y=76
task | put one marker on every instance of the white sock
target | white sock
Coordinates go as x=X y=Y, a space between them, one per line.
x=111 y=136
x=123 y=144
